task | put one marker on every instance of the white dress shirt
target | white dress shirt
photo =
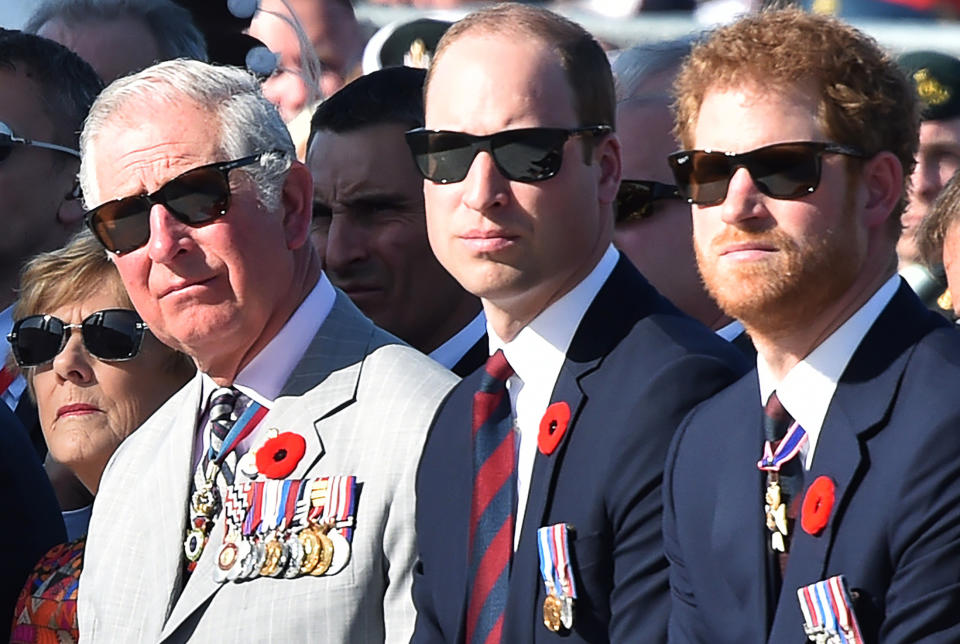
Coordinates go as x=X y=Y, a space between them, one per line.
x=263 y=378
x=19 y=385
x=808 y=388
x=537 y=354
x=450 y=352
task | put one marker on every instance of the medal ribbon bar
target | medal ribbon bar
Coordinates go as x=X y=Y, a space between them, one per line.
x=828 y=612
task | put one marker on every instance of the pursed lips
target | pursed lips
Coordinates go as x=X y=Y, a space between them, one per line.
x=77 y=409
x=746 y=250
x=177 y=287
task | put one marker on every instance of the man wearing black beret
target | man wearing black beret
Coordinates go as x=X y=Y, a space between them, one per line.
x=936 y=77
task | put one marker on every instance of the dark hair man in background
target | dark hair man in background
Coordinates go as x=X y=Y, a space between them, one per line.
x=369 y=221
x=45 y=92
x=936 y=77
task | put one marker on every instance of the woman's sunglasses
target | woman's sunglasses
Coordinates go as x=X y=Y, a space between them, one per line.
x=527 y=155
x=781 y=170
x=196 y=197
x=635 y=198
x=110 y=334
x=8 y=139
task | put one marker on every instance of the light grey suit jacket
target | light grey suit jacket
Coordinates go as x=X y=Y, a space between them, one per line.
x=364 y=402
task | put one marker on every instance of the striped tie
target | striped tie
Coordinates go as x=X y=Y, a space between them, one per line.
x=492 y=505
x=222 y=402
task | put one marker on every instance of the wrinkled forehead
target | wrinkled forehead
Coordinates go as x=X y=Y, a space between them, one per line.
x=141 y=146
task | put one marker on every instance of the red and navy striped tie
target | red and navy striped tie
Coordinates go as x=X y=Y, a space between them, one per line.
x=492 y=505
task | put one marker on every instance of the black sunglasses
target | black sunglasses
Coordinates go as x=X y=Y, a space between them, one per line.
x=110 y=334
x=8 y=139
x=527 y=154
x=196 y=197
x=782 y=170
x=635 y=198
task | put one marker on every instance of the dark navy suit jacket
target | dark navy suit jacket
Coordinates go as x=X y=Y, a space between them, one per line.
x=890 y=442
x=635 y=367
x=29 y=510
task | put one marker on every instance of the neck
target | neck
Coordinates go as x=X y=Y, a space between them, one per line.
x=783 y=347
x=510 y=314
x=464 y=310
x=223 y=368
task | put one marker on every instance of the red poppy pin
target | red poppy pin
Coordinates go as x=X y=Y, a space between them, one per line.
x=553 y=426
x=817 y=505
x=278 y=457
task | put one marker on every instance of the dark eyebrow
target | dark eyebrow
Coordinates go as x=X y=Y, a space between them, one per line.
x=376 y=201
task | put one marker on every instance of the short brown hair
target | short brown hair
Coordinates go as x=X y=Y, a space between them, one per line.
x=73 y=273
x=866 y=101
x=933 y=229
x=580 y=55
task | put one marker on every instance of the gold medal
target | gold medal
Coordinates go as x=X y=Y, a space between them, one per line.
x=273 y=550
x=311 y=549
x=552 y=608
x=325 y=552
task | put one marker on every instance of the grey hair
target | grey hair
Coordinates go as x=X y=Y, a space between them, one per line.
x=247 y=122
x=635 y=67
x=171 y=25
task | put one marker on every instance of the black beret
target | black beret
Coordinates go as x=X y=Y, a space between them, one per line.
x=937 y=79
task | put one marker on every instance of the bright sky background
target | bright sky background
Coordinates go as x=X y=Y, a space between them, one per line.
x=13 y=13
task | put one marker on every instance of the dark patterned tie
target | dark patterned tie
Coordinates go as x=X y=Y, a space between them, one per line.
x=222 y=418
x=492 y=506
x=776 y=422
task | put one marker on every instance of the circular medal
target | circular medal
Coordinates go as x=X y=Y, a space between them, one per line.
x=551 y=613
x=325 y=552
x=227 y=556
x=249 y=565
x=311 y=549
x=294 y=557
x=193 y=544
x=271 y=561
x=341 y=551
x=243 y=551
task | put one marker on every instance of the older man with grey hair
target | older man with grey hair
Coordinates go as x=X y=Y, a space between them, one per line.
x=244 y=490
x=119 y=36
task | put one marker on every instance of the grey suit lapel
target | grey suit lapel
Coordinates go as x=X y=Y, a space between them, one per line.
x=171 y=475
x=323 y=382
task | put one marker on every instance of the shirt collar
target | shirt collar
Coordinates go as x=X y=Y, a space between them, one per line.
x=808 y=388
x=264 y=376
x=541 y=346
x=449 y=353
x=730 y=331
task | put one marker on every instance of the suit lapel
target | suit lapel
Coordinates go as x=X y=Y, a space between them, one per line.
x=740 y=536
x=873 y=375
x=624 y=298
x=323 y=382
x=173 y=474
